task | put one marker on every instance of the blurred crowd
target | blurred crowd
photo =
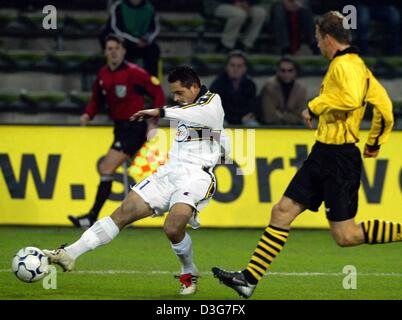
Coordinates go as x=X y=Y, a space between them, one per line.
x=291 y=24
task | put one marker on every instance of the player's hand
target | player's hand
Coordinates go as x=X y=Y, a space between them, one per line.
x=152 y=130
x=145 y=114
x=84 y=119
x=370 y=154
x=307 y=118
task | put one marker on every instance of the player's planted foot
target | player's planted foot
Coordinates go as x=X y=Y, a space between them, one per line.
x=235 y=280
x=84 y=221
x=60 y=257
x=188 y=283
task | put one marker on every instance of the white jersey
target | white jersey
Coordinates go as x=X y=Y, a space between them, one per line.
x=200 y=137
x=188 y=177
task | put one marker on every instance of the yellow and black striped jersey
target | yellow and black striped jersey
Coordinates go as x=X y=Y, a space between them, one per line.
x=347 y=88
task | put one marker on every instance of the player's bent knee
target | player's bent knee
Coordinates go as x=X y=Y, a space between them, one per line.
x=278 y=209
x=280 y=216
x=171 y=230
x=105 y=171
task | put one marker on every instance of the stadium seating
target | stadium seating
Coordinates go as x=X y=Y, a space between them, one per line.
x=72 y=51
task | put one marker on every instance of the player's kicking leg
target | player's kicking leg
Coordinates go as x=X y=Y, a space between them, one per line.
x=270 y=244
x=175 y=229
x=102 y=232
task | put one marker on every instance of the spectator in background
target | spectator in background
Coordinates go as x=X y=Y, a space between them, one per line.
x=237 y=91
x=283 y=98
x=384 y=11
x=136 y=22
x=236 y=13
x=293 y=23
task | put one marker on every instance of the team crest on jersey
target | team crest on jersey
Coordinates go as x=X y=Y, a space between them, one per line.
x=155 y=81
x=121 y=91
x=182 y=133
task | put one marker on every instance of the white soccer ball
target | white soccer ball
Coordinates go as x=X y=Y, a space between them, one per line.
x=30 y=264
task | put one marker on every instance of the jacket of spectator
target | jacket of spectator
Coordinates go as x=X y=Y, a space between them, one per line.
x=236 y=102
x=134 y=23
x=282 y=103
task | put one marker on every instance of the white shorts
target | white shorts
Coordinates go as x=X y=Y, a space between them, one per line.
x=173 y=184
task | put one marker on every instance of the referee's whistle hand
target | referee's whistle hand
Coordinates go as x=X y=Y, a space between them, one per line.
x=307 y=118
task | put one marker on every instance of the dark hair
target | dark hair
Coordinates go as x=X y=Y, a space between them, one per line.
x=332 y=23
x=116 y=38
x=237 y=54
x=185 y=74
x=288 y=60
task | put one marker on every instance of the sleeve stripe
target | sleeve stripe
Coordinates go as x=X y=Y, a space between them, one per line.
x=199 y=104
x=381 y=132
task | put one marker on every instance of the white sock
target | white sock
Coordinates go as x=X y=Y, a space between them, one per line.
x=102 y=232
x=184 y=251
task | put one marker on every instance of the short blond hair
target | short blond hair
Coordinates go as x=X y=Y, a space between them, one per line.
x=333 y=23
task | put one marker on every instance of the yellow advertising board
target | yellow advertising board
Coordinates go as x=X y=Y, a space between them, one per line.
x=47 y=173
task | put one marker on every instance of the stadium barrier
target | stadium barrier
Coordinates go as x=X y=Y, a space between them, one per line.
x=47 y=173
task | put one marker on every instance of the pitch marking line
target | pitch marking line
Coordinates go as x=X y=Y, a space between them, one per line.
x=282 y=274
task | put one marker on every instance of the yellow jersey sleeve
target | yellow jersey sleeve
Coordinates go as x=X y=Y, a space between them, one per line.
x=342 y=91
x=383 y=118
x=347 y=89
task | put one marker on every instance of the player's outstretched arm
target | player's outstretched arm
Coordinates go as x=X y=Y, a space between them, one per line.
x=145 y=114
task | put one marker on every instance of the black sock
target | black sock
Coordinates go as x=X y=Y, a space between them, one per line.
x=103 y=193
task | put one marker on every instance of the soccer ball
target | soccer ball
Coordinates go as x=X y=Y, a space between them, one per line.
x=30 y=264
x=147 y=160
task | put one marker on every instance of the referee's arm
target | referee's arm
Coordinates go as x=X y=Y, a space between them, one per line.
x=96 y=98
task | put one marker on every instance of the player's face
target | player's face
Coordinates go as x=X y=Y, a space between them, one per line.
x=114 y=52
x=322 y=43
x=183 y=95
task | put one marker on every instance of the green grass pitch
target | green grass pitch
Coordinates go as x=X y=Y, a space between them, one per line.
x=139 y=264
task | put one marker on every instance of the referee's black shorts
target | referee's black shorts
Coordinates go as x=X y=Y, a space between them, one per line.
x=331 y=174
x=129 y=136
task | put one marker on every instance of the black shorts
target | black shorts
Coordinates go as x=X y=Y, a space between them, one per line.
x=129 y=136
x=331 y=174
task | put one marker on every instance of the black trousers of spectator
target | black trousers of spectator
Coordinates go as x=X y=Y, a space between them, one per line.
x=282 y=27
x=150 y=56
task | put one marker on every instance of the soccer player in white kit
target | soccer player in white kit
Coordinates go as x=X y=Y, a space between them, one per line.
x=183 y=186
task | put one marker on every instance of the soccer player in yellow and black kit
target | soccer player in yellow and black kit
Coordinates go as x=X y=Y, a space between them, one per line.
x=332 y=170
